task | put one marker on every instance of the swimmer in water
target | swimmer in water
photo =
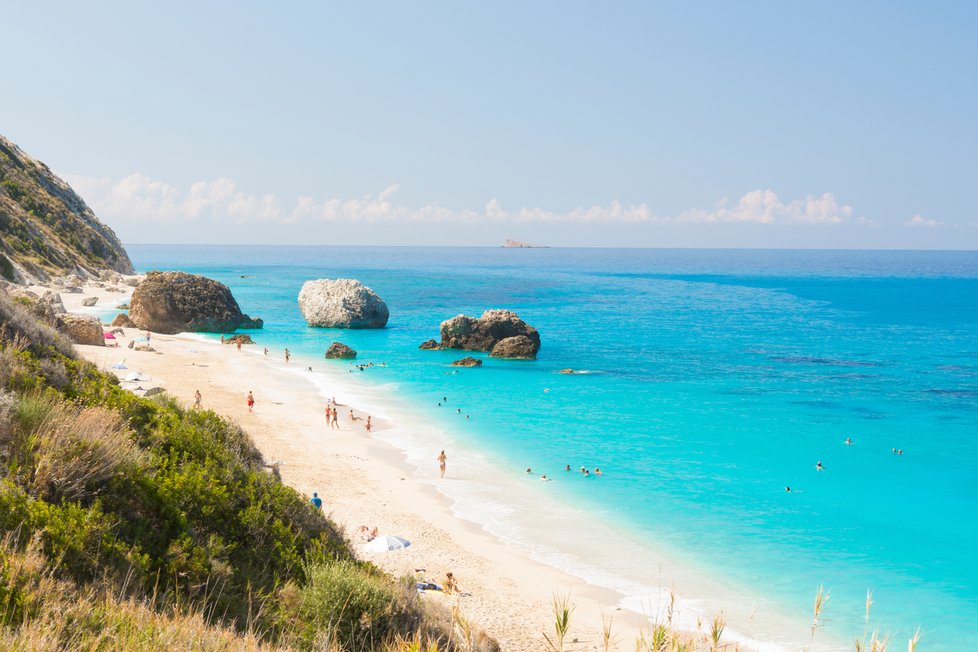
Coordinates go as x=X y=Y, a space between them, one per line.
x=848 y=441
x=544 y=478
x=787 y=489
x=597 y=471
x=529 y=470
x=567 y=467
x=818 y=466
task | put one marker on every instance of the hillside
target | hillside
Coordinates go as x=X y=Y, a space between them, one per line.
x=46 y=229
x=129 y=523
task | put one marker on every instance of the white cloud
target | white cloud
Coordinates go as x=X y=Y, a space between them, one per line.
x=138 y=198
x=764 y=207
x=917 y=220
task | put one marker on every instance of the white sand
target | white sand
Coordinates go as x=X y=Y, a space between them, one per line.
x=365 y=481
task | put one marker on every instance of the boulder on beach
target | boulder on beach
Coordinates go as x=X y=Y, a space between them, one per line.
x=519 y=346
x=430 y=345
x=340 y=351
x=467 y=361
x=122 y=319
x=342 y=303
x=241 y=338
x=484 y=333
x=88 y=302
x=174 y=302
x=82 y=329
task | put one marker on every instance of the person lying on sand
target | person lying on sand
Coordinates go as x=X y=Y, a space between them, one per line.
x=366 y=533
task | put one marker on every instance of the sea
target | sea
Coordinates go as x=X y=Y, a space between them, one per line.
x=707 y=383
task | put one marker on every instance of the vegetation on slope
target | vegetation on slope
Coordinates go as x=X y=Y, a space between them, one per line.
x=45 y=227
x=133 y=523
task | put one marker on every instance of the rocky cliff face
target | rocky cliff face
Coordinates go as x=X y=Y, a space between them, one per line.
x=45 y=228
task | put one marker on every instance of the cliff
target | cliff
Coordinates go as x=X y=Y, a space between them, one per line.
x=46 y=229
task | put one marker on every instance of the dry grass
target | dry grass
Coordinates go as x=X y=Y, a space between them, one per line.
x=67 y=452
x=40 y=613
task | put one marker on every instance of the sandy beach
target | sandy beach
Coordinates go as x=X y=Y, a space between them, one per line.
x=364 y=481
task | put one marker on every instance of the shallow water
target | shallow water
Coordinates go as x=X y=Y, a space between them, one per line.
x=715 y=379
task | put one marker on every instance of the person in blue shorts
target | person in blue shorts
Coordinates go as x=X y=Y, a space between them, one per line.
x=316 y=501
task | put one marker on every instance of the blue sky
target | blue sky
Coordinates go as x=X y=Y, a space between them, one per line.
x=769 y=124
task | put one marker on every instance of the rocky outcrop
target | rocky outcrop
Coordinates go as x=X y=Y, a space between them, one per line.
x=340 y=351
x=342 y=303
x=123 y=320
x=484 y=333
x=239 y=339
x=468 y=362
x=82 y=330
x=520 y=346
x=430 y=345
x=88 y=302
x=46 y=229
x=174 y=302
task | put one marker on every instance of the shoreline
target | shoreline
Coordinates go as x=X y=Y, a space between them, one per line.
x=373 y=480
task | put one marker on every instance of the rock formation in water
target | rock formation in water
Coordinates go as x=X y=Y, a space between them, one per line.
x=174 y=302
x=467 y=361
x=488 y=331
x=340 y=351
x=342 y=303
x=46 y=229
x=241 y=338
x=519 y=346
x=430 y=345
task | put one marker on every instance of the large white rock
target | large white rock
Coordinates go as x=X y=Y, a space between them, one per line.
x=342 y=303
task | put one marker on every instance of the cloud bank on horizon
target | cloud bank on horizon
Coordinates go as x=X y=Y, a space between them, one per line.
x=138 y=198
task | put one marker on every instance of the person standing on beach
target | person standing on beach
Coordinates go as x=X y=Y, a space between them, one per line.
x=222 y=338
x=367 y=425
x=329 y=415
x=335 y=423
x=316 y=501
x=287 y=356
x=441 y=463
x=251 y=402
x=197 y=399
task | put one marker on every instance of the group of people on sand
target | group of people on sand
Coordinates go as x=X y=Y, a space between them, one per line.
x=448 y=586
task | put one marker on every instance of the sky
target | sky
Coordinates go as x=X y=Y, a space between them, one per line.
x=654 y=124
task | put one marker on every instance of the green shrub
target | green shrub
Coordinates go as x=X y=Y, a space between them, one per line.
x=346 y=605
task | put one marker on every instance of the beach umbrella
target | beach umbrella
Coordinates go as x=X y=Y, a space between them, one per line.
x=386 y=543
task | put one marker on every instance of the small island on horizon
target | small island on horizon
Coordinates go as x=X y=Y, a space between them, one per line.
x=516 y=244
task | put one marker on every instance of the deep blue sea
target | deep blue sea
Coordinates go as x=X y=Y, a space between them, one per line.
x=716 y=379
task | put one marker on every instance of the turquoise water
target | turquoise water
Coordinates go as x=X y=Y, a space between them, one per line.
x=716 y=379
